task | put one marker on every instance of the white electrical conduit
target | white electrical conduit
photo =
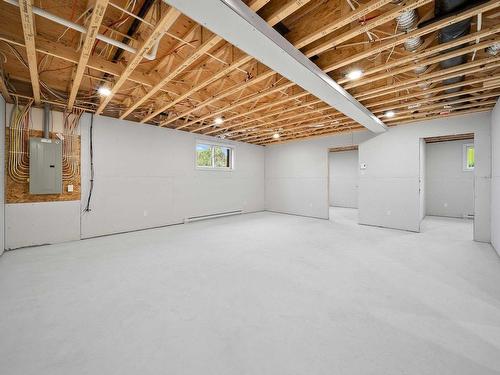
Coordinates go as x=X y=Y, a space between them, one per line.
x=74 y=26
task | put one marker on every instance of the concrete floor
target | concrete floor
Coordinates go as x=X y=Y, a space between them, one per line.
x=259 y=294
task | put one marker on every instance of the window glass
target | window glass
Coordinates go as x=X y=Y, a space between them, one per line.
x=222 y=156
x=470 y=157
x=213 y=156
x=203 y=155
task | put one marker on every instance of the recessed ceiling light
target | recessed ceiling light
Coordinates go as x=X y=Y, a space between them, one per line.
x=354 y=74
x=104 y=91
x=390 y=114
x=218 y=120
x=276 y=135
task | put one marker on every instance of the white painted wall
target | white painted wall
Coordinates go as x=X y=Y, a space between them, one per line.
x=297 y=174
x=2 y=174
x=344 y=178
x=389 y=187
x=495 y=178
x=449 y=188
x=145 y=177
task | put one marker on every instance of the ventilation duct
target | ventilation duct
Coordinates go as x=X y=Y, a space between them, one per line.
x=452 y=32
x=408 y=21
x=493 y=49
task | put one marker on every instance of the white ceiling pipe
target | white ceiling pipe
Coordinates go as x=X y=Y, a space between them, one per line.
x=74 y=26
x=242 y=27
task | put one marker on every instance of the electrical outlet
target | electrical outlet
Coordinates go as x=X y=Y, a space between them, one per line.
x=70 y=188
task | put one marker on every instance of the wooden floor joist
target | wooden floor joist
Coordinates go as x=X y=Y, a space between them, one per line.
x=164 y=24
x=28 y=22
x=98 y=11
x=197 y=76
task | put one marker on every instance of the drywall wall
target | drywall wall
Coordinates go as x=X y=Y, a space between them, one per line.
x=495 y=178
x=2 y=173
x=449 y=188
x=343 y=178
x=422 y=179
x=297 y=174
x=146 y=176
x=389 y=187
x=28 y=224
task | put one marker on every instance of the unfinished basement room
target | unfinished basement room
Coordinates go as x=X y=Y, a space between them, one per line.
x=250 y=187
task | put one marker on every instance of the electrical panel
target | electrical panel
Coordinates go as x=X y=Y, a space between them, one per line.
x=45 y=166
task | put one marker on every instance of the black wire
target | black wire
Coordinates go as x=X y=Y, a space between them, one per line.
x=87 y=208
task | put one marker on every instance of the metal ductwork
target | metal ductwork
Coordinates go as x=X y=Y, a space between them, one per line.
x=408 y=21
x=452 y=32
x=493 y=49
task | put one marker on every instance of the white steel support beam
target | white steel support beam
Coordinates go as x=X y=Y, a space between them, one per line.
x=242 y=27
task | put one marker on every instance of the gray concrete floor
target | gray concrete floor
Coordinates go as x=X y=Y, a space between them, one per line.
x=259 y=294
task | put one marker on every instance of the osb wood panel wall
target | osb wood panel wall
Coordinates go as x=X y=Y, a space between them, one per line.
x=17 y=192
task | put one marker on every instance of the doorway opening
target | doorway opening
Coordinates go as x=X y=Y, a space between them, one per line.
x=447 y=184
x=343 y=182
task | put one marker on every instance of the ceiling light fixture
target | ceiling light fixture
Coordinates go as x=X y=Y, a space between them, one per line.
x=276 y=135
x=219 y=120
x=104 y=91
x=390 y=114
x=354 y=74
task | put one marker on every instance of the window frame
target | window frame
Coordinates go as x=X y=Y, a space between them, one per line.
x=212 y=146
x=465 y=164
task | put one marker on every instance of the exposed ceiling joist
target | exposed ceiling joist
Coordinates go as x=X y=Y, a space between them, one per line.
x=163 y=25
x=247 y=31
x=98 y=10
x=26 y=9
x=336 y=23
x=363 y=28
x=329 y=66
x=283 y=11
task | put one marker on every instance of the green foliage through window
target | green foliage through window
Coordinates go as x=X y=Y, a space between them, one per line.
x=469 y=157
x=203 y=156
x=213 y=156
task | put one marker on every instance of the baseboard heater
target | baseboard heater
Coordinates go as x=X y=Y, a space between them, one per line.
x=212 y=216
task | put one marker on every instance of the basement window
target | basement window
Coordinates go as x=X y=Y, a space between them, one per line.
x=469 y=157
x=214 y=156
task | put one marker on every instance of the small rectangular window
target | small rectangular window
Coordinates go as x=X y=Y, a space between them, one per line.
x=214 y=156
x=469 y=157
